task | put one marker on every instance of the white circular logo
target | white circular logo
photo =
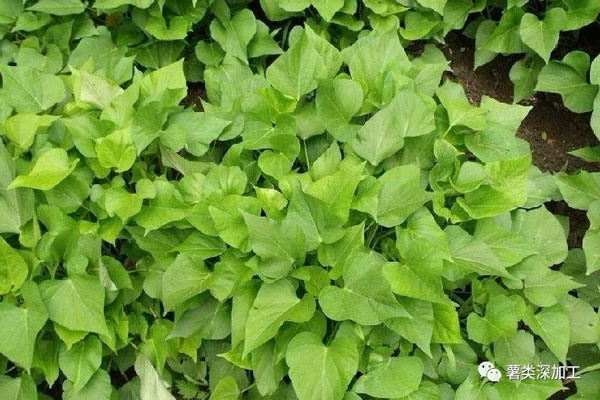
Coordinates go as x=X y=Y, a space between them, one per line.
x=487 y=370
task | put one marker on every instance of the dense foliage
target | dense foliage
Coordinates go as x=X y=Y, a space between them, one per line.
x=334 y=220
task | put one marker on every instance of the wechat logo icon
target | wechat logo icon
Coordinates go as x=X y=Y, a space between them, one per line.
x=487 y=370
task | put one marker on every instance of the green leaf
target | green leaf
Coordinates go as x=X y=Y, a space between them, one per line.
x=152 y=387
x=318 y=371
x=500 y=321
x=80 y=362
x=372 y=56
x=435 y=5
x=97 y=388
x=472 y=255
x=184 y=279
x=13 y=269
x=546 y=233
x=20 y=326
x=21 y=388
x=394 y=378
x=168 y=206
x=336 y=254
x=235 y=35
x=337 y=190
x=419 y=277
x=58 y=7
x=77 y=303
x=400 y=194
x=337 y=101
x=524 y=76
x=460 y=111
x=327 y=8
x=542 y=36
x=275 y=303
x=226 y=389
x=116 y=150
x=278 y=243
x=580 y=13
x=296 y=72
x=29 y=90
x=552 y=325
x=21 y=129
x=591 y=240
x=419 y=327
x=544 y=287
x=569 y=79
x=383 y=135
x=506 y=38
x=48 y=171
x=579 y=190
x=366 y=297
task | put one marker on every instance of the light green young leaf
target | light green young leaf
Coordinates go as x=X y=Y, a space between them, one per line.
x=337 y=101
x=510 y=248
x=583 y=321
x=276 y=242
x=48 y=171
x=116 y=150
x=580 y=13
x=337 y=190
x=546 y=232
x=524 y=76
x=336 y=254
x=373 y=55
x=435 y=5
x=168 y=206
x=506 y=38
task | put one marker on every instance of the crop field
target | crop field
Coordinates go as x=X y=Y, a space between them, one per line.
x=299 y=199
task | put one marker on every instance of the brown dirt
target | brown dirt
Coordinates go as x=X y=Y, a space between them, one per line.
x=196 y=92
x=550 y=128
